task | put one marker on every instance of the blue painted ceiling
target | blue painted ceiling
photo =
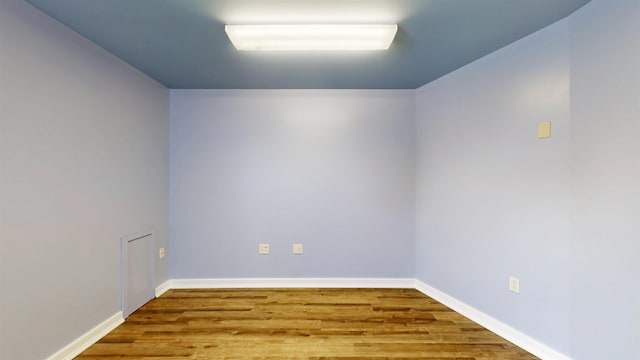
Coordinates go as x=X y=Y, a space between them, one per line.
x=182 y=43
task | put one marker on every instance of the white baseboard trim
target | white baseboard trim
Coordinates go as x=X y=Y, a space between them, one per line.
x=89 y=338
x=293 y=283
x=503 y=330
x=163 y=288
x=526 y=342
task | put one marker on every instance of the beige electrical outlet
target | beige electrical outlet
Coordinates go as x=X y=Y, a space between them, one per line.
x=297 y=249
x=263 y=249
x=514 y=284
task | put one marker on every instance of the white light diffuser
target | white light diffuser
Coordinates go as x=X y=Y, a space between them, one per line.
x=311 y=37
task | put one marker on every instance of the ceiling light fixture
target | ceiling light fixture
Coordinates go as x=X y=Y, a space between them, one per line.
x=311 y=37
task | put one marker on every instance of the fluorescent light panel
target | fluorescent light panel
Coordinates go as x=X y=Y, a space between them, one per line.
x=311 y=37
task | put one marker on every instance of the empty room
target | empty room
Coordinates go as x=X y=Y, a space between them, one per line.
x=309 y=179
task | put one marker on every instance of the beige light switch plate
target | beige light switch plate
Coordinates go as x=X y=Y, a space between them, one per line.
x=544 y=130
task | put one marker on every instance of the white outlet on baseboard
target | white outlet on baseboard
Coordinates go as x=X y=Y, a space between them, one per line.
x=161 y=253
x=263 y=249
x=514 y=284
x=297 y=249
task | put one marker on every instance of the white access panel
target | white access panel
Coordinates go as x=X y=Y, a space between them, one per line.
x=137 y=271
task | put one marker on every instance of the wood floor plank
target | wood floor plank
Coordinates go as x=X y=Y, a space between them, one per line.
x=299 y=324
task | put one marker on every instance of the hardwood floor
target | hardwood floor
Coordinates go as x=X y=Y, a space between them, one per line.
x=299 y=324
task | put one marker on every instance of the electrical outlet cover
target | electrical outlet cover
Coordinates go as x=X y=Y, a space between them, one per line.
x=514 y=284
x=297 y=249
x=263 y=249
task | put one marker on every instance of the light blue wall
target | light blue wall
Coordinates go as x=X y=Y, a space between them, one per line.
x=333 y=170
x=84 y=159
x=492 y=199
x=560 y=214
x=605 y=184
